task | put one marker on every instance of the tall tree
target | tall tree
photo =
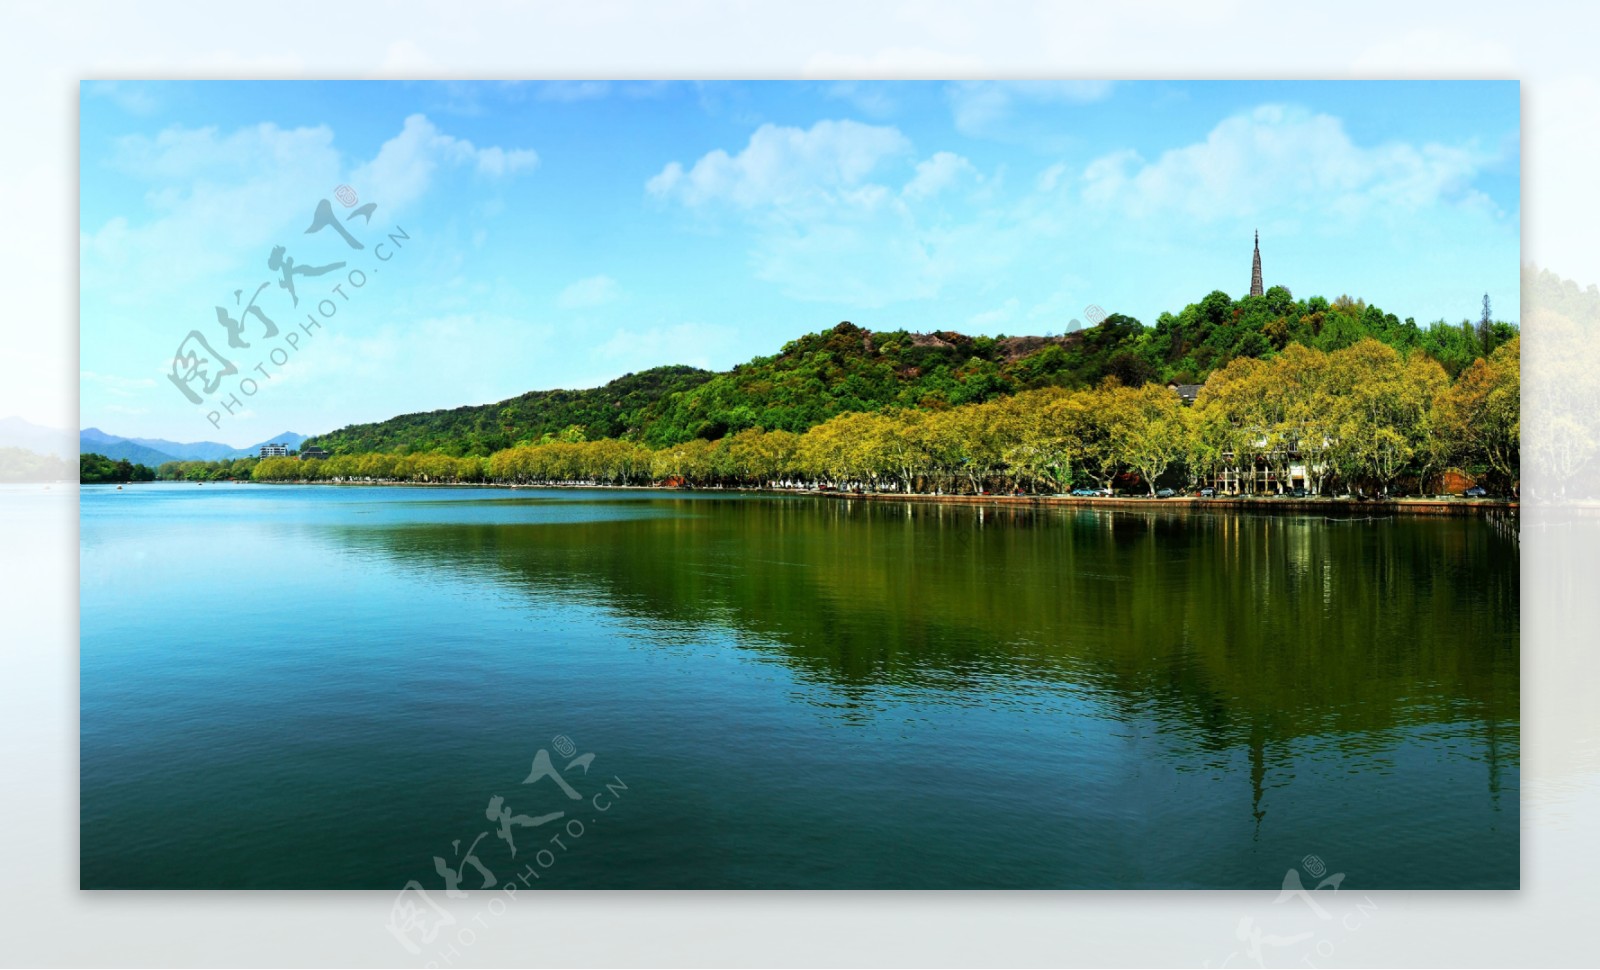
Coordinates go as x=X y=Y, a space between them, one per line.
x=1481 y=414
x=1149 y=429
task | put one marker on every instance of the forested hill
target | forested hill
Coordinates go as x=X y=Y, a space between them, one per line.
x=616 y=410
x=849 y=368
x=812 y=379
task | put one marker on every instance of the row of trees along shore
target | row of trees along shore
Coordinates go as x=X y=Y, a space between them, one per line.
x=97 y=469
x=1368 y=418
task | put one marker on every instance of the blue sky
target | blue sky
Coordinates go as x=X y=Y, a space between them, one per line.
x=562 y=234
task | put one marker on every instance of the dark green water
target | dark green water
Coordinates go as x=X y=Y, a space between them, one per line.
x=301 y=687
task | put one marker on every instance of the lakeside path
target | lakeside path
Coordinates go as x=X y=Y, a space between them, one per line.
x=1183 y=503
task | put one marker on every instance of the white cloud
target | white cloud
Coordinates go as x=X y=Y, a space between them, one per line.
x=938 y=173
x=786 y=167
x=404 y=166
x=839 y=213
x=212 y=197
x=214 y=204
x=592 y=291
x=478 y=98
x=978 y=107
x=131 y=96
x=869 y=97
x=572 y=90
x=1282 y=159
x=209 y=198
x=1050 y=177
x=184 y=154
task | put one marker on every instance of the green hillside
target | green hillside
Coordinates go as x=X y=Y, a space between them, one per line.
x=853 y=369
x=616 y=410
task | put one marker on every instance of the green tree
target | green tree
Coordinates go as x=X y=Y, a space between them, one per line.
x=1149 y=429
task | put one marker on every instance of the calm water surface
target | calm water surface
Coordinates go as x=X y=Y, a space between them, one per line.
x=315 y=687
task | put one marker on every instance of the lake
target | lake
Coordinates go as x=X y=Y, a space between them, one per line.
x=320 y=687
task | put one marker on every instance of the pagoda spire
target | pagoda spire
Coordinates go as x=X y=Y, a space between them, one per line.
x=1255 y=269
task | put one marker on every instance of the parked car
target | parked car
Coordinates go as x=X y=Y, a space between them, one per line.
x=1084 y=493
x=1299 y=493
x=1208 y=492
x=1476 y=491
x=1165 y=493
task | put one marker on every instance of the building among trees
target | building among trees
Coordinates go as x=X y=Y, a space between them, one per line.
x=1186 y=392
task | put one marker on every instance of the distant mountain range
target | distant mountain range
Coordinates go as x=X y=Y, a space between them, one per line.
x=155 y=451
x=57 y=442
x=120 y=448
x=17 y=433
x=34 y=453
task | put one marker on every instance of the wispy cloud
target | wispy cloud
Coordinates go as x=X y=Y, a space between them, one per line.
x=1282 y=159
x=405 y=165
x=131 y=96
x=572 y=90
x=844 y=213
x=941 y=171
x=786 y=167
x=589 y=292
x=212 y=195
x=980 y=108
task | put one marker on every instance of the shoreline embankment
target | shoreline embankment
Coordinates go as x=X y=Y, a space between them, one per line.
x=1252 y=504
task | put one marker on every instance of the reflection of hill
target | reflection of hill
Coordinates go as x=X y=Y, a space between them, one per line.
x=1227 y=629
